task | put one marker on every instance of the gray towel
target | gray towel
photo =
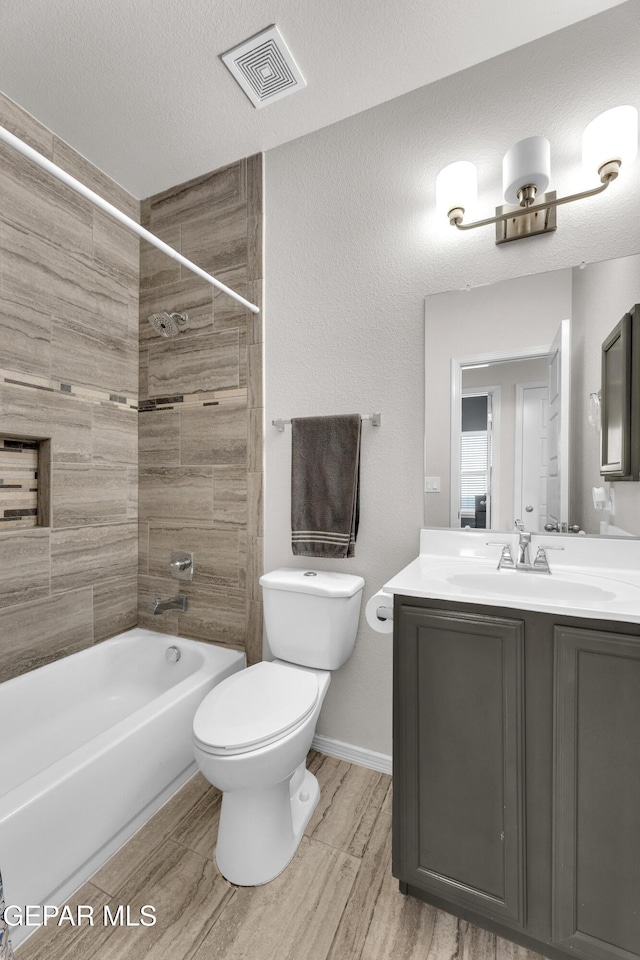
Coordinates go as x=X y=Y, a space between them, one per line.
x=325 y=474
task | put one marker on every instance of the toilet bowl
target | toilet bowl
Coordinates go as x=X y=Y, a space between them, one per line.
x=252 y=733
x=268 y=796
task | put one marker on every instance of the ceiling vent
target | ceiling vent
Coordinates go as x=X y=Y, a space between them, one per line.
x=264 y=67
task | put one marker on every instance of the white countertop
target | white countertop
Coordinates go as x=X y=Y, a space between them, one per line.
x=590 y=577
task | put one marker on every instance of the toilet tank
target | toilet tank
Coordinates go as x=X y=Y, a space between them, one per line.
x=311 y=616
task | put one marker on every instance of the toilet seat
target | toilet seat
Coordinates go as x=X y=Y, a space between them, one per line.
x=254 y=707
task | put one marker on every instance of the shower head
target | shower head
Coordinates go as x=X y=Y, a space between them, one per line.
x=168 y=324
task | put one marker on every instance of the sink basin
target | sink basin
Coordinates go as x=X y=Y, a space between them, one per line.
x=592 y=578
x=476 y=581
x=538 y=586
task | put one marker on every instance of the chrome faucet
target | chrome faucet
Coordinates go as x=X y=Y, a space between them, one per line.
x=506 y=562
x=541 y=564
x=524 y=539
x=174 y=603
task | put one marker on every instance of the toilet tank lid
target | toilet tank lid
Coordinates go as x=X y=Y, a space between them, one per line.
x=322 y=583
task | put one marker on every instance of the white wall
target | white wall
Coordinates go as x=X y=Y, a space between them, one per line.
x=353 y=246
x=602 y=294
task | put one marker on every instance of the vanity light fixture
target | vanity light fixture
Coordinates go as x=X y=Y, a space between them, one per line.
x=608 y=142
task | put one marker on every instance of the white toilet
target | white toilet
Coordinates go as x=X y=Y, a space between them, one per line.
x=252 y=732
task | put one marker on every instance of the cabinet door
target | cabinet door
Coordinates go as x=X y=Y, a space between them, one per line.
x=597 y=794
x=458 y=759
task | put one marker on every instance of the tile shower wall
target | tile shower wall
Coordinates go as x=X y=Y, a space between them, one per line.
x=200 y=433
x=68 y=371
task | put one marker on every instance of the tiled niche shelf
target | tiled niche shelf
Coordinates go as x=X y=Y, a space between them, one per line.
x=25 y=469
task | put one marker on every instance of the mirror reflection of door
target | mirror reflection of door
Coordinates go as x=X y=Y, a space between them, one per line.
x=532 y=460
x=520 y=402
x=559 y=373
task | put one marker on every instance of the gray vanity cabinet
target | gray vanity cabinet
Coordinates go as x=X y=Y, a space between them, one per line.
x=597 y=794
x=461 y=716
x=517 y=773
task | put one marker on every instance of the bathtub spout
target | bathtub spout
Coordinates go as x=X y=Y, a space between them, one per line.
x=175 y=603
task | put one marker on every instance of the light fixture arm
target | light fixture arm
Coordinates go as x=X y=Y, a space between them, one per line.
x=456 y=220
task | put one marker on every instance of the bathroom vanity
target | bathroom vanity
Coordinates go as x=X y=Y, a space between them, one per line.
x=517 y=741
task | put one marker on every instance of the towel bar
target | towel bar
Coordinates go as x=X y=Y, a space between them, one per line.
x=376 y=420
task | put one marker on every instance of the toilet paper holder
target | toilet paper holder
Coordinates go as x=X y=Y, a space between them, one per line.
x=379 y=612
x=384 y=613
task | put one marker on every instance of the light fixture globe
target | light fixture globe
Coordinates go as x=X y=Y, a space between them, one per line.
x=456 y=189
x=610 y=140
x=527 y=164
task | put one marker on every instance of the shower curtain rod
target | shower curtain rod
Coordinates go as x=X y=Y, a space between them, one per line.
x=35 y=157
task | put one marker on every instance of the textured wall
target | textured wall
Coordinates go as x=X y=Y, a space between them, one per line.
x=68 y=372
x=602 y=294
x=354 y=245
x=201 y=409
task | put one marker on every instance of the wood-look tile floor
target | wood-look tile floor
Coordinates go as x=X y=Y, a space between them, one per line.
x=337 y=900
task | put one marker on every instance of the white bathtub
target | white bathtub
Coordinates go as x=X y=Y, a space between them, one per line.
x=93 y=745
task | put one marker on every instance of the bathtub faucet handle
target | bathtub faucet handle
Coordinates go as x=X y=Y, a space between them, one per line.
x=181 y=565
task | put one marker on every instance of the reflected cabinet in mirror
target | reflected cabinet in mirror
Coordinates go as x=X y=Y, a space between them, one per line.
x=511 y=370
x=620 y=400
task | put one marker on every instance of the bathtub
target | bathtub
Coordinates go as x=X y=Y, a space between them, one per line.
x=92 y=746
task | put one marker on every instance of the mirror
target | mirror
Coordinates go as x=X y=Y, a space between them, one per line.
x=489 y=424
x=509 y=456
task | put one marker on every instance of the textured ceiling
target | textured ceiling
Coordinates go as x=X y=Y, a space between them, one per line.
x=139 y=89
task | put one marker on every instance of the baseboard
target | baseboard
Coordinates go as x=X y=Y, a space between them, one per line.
x=347 y=751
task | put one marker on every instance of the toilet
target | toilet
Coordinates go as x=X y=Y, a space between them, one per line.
x=251 y=734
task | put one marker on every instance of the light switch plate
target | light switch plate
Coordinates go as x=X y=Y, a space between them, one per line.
x=432 y=484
